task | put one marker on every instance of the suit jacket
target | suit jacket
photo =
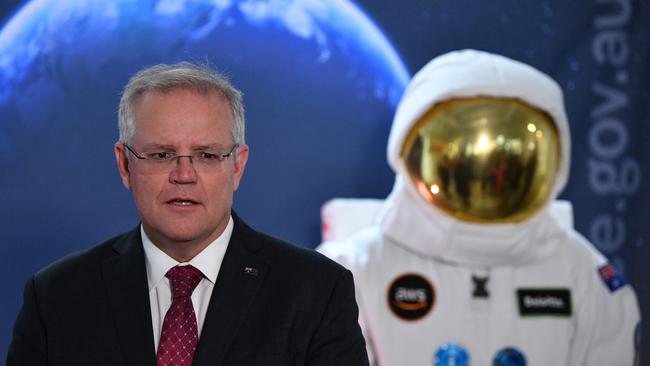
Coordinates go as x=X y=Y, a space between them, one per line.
x=273 y=304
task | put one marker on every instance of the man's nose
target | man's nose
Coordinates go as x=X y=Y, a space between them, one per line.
x=183 y=171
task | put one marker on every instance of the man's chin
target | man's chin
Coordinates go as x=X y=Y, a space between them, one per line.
x=189 y=232
x=179 y=235
x=183 y=237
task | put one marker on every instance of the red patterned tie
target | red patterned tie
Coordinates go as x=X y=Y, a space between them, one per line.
x=179 y=331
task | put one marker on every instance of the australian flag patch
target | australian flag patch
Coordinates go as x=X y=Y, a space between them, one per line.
x=612 y=278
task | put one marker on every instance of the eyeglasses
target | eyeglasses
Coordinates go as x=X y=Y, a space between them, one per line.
x=163 y=161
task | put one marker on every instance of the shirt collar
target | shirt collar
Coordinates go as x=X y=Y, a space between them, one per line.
x=208 y=261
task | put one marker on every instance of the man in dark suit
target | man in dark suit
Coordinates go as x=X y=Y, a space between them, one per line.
x=193 y=284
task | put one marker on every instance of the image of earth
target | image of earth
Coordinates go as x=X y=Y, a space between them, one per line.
x=320 y=83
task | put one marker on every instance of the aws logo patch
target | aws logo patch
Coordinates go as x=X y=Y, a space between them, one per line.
x=410 y=296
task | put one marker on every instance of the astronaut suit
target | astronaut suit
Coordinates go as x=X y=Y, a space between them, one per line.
x=465 y=265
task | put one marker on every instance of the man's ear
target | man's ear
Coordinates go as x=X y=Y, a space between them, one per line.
x=241 y=157
x=123 y=164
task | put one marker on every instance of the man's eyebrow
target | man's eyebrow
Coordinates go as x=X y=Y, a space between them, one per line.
x=207 y=147
x=165 y=147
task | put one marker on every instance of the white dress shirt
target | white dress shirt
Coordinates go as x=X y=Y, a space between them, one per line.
x=158 y=263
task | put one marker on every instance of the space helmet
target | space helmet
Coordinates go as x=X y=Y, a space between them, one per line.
x=482 y=138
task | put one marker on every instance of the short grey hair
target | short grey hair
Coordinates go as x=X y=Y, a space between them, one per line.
x=163 y=78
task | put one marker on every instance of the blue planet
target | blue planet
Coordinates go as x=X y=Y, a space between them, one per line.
x=320 y=84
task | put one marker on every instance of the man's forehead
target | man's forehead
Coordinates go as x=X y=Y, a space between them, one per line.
x=166 y=132
x=160 y=97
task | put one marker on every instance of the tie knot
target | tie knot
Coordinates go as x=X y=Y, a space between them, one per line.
x=183 y=280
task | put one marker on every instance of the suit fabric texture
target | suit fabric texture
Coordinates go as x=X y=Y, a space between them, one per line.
x=272 y=304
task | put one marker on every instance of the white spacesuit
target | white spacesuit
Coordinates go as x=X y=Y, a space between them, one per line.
x=465 y=265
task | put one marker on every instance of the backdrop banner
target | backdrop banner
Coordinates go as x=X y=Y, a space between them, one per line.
x=321 y=80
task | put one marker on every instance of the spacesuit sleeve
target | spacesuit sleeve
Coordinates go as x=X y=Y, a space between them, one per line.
x=337 y=252
x=607 y=327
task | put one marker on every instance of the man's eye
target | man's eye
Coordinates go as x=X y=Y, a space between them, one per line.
x=205 y=155
x=162 y=155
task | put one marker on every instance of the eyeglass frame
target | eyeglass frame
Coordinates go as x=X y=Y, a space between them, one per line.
x=174 y=156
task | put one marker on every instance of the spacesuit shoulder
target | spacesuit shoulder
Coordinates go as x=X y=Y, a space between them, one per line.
x=602 y=281
x=581 y=246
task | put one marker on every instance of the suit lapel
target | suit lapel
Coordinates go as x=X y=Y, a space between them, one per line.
x=240 y=276
x=125 y=278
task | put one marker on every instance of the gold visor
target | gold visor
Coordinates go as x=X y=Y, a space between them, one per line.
x=484 y=159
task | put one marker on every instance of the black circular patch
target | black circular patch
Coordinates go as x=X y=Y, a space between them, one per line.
x=410 y=296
